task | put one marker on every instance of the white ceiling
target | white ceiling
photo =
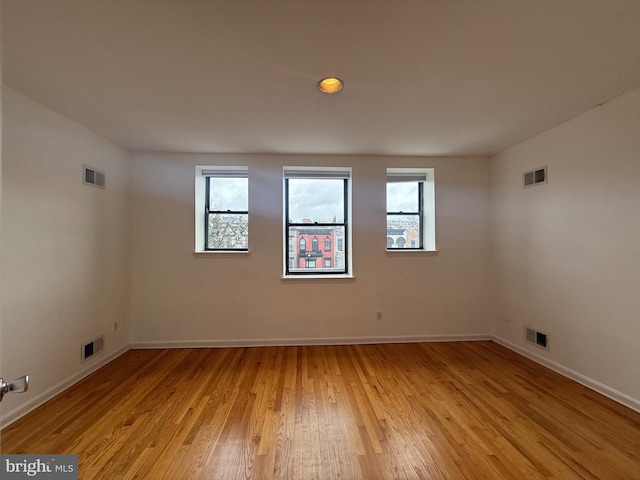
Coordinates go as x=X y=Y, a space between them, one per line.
x=422 y=77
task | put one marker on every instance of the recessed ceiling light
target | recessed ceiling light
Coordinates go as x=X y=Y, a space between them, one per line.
x=330 y=85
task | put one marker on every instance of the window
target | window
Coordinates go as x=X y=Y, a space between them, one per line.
x=316 y=212
x=410 y=209
x=222 y=209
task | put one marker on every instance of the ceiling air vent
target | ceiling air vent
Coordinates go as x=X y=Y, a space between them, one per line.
x=91 y=176
x=534 y=177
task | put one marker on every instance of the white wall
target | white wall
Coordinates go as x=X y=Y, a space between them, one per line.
x=64 y=248
x=566 y=255
x=178 y=297
x=1 y=273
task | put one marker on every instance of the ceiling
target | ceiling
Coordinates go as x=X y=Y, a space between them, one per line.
x=422 y=77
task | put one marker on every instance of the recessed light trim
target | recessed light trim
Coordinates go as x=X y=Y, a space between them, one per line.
x=330 y=85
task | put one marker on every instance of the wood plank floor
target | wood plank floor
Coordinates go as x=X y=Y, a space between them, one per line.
x=468 y=410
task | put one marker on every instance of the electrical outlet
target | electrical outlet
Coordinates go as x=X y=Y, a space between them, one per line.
x=378 y=315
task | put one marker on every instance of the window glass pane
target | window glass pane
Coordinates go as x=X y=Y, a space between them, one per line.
x=229 y=194
x=402 y=197
x=306 y=254
x=228 y=231
x=316 y=200
x=403 y=231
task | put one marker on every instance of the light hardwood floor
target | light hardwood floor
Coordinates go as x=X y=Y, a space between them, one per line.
x=468 y=410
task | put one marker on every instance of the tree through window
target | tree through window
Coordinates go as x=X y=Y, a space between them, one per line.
x=226 y=209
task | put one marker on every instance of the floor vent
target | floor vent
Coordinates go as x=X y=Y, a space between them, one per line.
x=92 y=348
x=537 y=338
x=91 y=176
x=534 y=177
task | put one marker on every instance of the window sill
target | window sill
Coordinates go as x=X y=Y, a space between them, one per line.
x=221 y=252
x=317 y=277
x=418 y=253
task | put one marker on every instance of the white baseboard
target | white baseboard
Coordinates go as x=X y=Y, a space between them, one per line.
x=605 y=390
x=10 y=417
x=286 y=342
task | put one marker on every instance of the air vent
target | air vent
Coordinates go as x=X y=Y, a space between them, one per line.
x=92 y=348
x=91 y=176
x=537 y=338
x=534 y=177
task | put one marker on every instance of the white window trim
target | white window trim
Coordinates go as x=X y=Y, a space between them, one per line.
x=428 y=208
x=349 y=228
x=200 y=190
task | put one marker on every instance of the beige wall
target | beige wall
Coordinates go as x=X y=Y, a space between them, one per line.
x=64 y=248
x=1 y=273
x=178 y=297
x=561 y=257
x=566 y=255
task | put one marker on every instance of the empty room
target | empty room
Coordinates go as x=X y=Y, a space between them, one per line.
x=320 y=240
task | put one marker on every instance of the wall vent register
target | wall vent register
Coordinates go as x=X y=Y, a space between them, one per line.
x=537 y=338
x=93 y=347
x=534 y=177
x=91 y=176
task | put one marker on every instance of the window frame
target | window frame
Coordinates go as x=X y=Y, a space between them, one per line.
x=202 y=207
x=426 y=207
x=335 y=173
x=419 y=214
